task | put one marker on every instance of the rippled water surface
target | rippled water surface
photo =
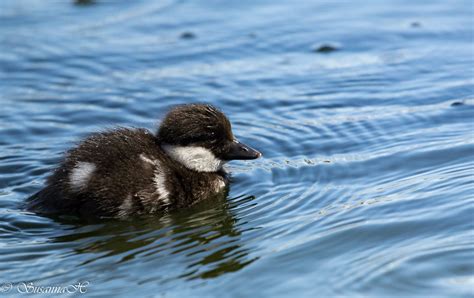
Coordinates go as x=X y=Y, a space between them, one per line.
x=366 y=185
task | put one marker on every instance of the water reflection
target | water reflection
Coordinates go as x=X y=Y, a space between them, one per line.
x=204 y=240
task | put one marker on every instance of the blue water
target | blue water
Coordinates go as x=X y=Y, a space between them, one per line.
x=366 y=186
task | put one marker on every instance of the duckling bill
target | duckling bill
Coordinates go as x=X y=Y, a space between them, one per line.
x=125 y=172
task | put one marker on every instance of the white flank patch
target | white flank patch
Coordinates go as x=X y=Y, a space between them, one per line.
x=159 y=179
x=194 y=157
x=146 y=159
x=81 y=174
x=126 y=206
x=219 y=185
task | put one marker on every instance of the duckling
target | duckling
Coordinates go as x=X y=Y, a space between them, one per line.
x=125 y=171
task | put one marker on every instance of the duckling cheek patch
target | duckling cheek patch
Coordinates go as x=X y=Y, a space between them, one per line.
x=194 y=157
x=81 y=174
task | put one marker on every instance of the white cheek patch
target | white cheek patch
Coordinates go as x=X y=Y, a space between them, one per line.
x=194 y=157
x=81 y=174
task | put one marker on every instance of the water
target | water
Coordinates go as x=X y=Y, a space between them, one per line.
x=366 y=185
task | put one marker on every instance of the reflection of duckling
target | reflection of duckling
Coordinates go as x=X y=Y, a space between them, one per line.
x=207 y=240
x=132 y=171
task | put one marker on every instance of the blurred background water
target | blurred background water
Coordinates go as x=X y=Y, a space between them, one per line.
x=364 y=111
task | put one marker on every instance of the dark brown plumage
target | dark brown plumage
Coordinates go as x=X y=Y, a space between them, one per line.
x=125 y=171
x=198 y=124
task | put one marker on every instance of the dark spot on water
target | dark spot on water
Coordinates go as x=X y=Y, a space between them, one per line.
x=84 y=2
x=415 y=24
x=252 y=35
x=326 y=48
x=187 y=35
x=457 y=103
